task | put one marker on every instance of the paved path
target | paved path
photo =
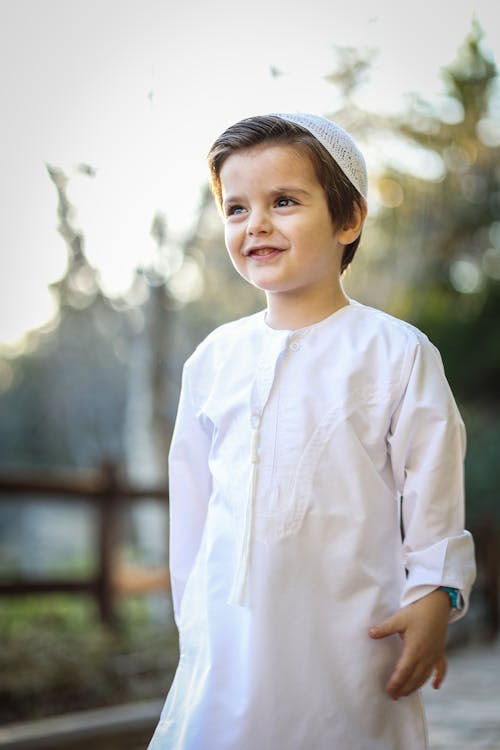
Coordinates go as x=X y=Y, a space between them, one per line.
x=464 y=714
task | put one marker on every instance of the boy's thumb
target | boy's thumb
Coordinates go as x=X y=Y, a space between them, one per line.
x=388 y=627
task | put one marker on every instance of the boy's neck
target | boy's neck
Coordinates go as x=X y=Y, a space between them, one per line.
x=286 y=313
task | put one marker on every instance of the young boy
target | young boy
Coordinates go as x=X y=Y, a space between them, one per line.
x=304 y=612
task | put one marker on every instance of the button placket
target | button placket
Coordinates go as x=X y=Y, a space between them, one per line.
x=264 y=379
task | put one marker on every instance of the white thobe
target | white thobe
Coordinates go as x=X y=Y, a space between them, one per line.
x=290 y=454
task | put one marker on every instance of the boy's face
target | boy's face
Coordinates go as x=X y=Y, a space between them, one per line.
x=278 y=229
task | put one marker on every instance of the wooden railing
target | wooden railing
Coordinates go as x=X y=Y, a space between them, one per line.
x=105 y=489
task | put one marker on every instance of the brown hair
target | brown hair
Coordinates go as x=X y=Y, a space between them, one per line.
x=341 y=195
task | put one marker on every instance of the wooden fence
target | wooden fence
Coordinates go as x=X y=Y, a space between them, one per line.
x=109 y=493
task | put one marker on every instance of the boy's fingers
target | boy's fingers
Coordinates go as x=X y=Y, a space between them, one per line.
x=390 y=626
x=402 y=673
x=409 y=675
x=408 y=679
x=439 y=672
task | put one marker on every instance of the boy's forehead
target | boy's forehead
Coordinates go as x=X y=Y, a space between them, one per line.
x=268 y=159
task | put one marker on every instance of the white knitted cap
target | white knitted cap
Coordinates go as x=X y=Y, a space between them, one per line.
x=339 y=145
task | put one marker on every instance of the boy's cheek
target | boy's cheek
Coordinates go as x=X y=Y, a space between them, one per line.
x=231 y=240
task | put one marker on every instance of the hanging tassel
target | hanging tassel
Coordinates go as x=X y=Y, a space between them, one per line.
x=238 y=589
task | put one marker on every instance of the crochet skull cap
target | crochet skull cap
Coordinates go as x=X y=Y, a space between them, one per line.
x=339 y=145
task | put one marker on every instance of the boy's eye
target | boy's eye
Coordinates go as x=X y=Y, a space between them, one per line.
x=285 y=201
x=234 y=210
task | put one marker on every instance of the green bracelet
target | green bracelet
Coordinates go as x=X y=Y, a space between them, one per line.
x=456 y=599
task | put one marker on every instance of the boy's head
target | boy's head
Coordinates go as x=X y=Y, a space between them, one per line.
x=338 y=163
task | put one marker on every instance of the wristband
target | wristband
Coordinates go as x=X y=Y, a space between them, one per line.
x=456 y=599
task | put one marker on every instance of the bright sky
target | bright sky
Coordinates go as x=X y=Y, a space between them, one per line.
x=138 y=89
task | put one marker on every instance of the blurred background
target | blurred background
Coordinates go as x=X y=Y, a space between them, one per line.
x=113 y=268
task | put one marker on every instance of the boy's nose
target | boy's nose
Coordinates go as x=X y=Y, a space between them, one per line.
x=258 y=223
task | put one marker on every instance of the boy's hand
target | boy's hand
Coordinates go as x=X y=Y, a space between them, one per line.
x=422 y=626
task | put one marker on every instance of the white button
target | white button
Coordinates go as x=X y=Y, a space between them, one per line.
x=294 y=346
x=255 y=420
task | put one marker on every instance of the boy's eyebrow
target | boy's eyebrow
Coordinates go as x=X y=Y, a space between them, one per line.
x=289 y=189
x=280 y=190
x=231 y=199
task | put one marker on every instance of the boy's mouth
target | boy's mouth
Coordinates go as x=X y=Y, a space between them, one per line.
x=262 y=251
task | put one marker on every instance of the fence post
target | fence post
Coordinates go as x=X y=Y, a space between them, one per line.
x=107 y=543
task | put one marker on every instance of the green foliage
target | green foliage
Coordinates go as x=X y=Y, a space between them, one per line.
x=56 y=657
x=431 y=254
x=471 y=77
x=465 y=330
x=482 y=478
x=66 y=403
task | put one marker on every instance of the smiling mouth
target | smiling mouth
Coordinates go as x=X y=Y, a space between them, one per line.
x=263 y=251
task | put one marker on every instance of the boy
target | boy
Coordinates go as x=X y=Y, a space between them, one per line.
x=299 y=430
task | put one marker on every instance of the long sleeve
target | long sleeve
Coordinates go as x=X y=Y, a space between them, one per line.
x=427 y=444
x=189 y=490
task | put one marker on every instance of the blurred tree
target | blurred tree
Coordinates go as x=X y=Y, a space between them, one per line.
x=149 y=355
x=349 y=73
x=431 y=254
x=65 y=403
x=434 y=245
x=80 y=284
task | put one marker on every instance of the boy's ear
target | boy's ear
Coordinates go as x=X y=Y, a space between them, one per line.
x=351 y=230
